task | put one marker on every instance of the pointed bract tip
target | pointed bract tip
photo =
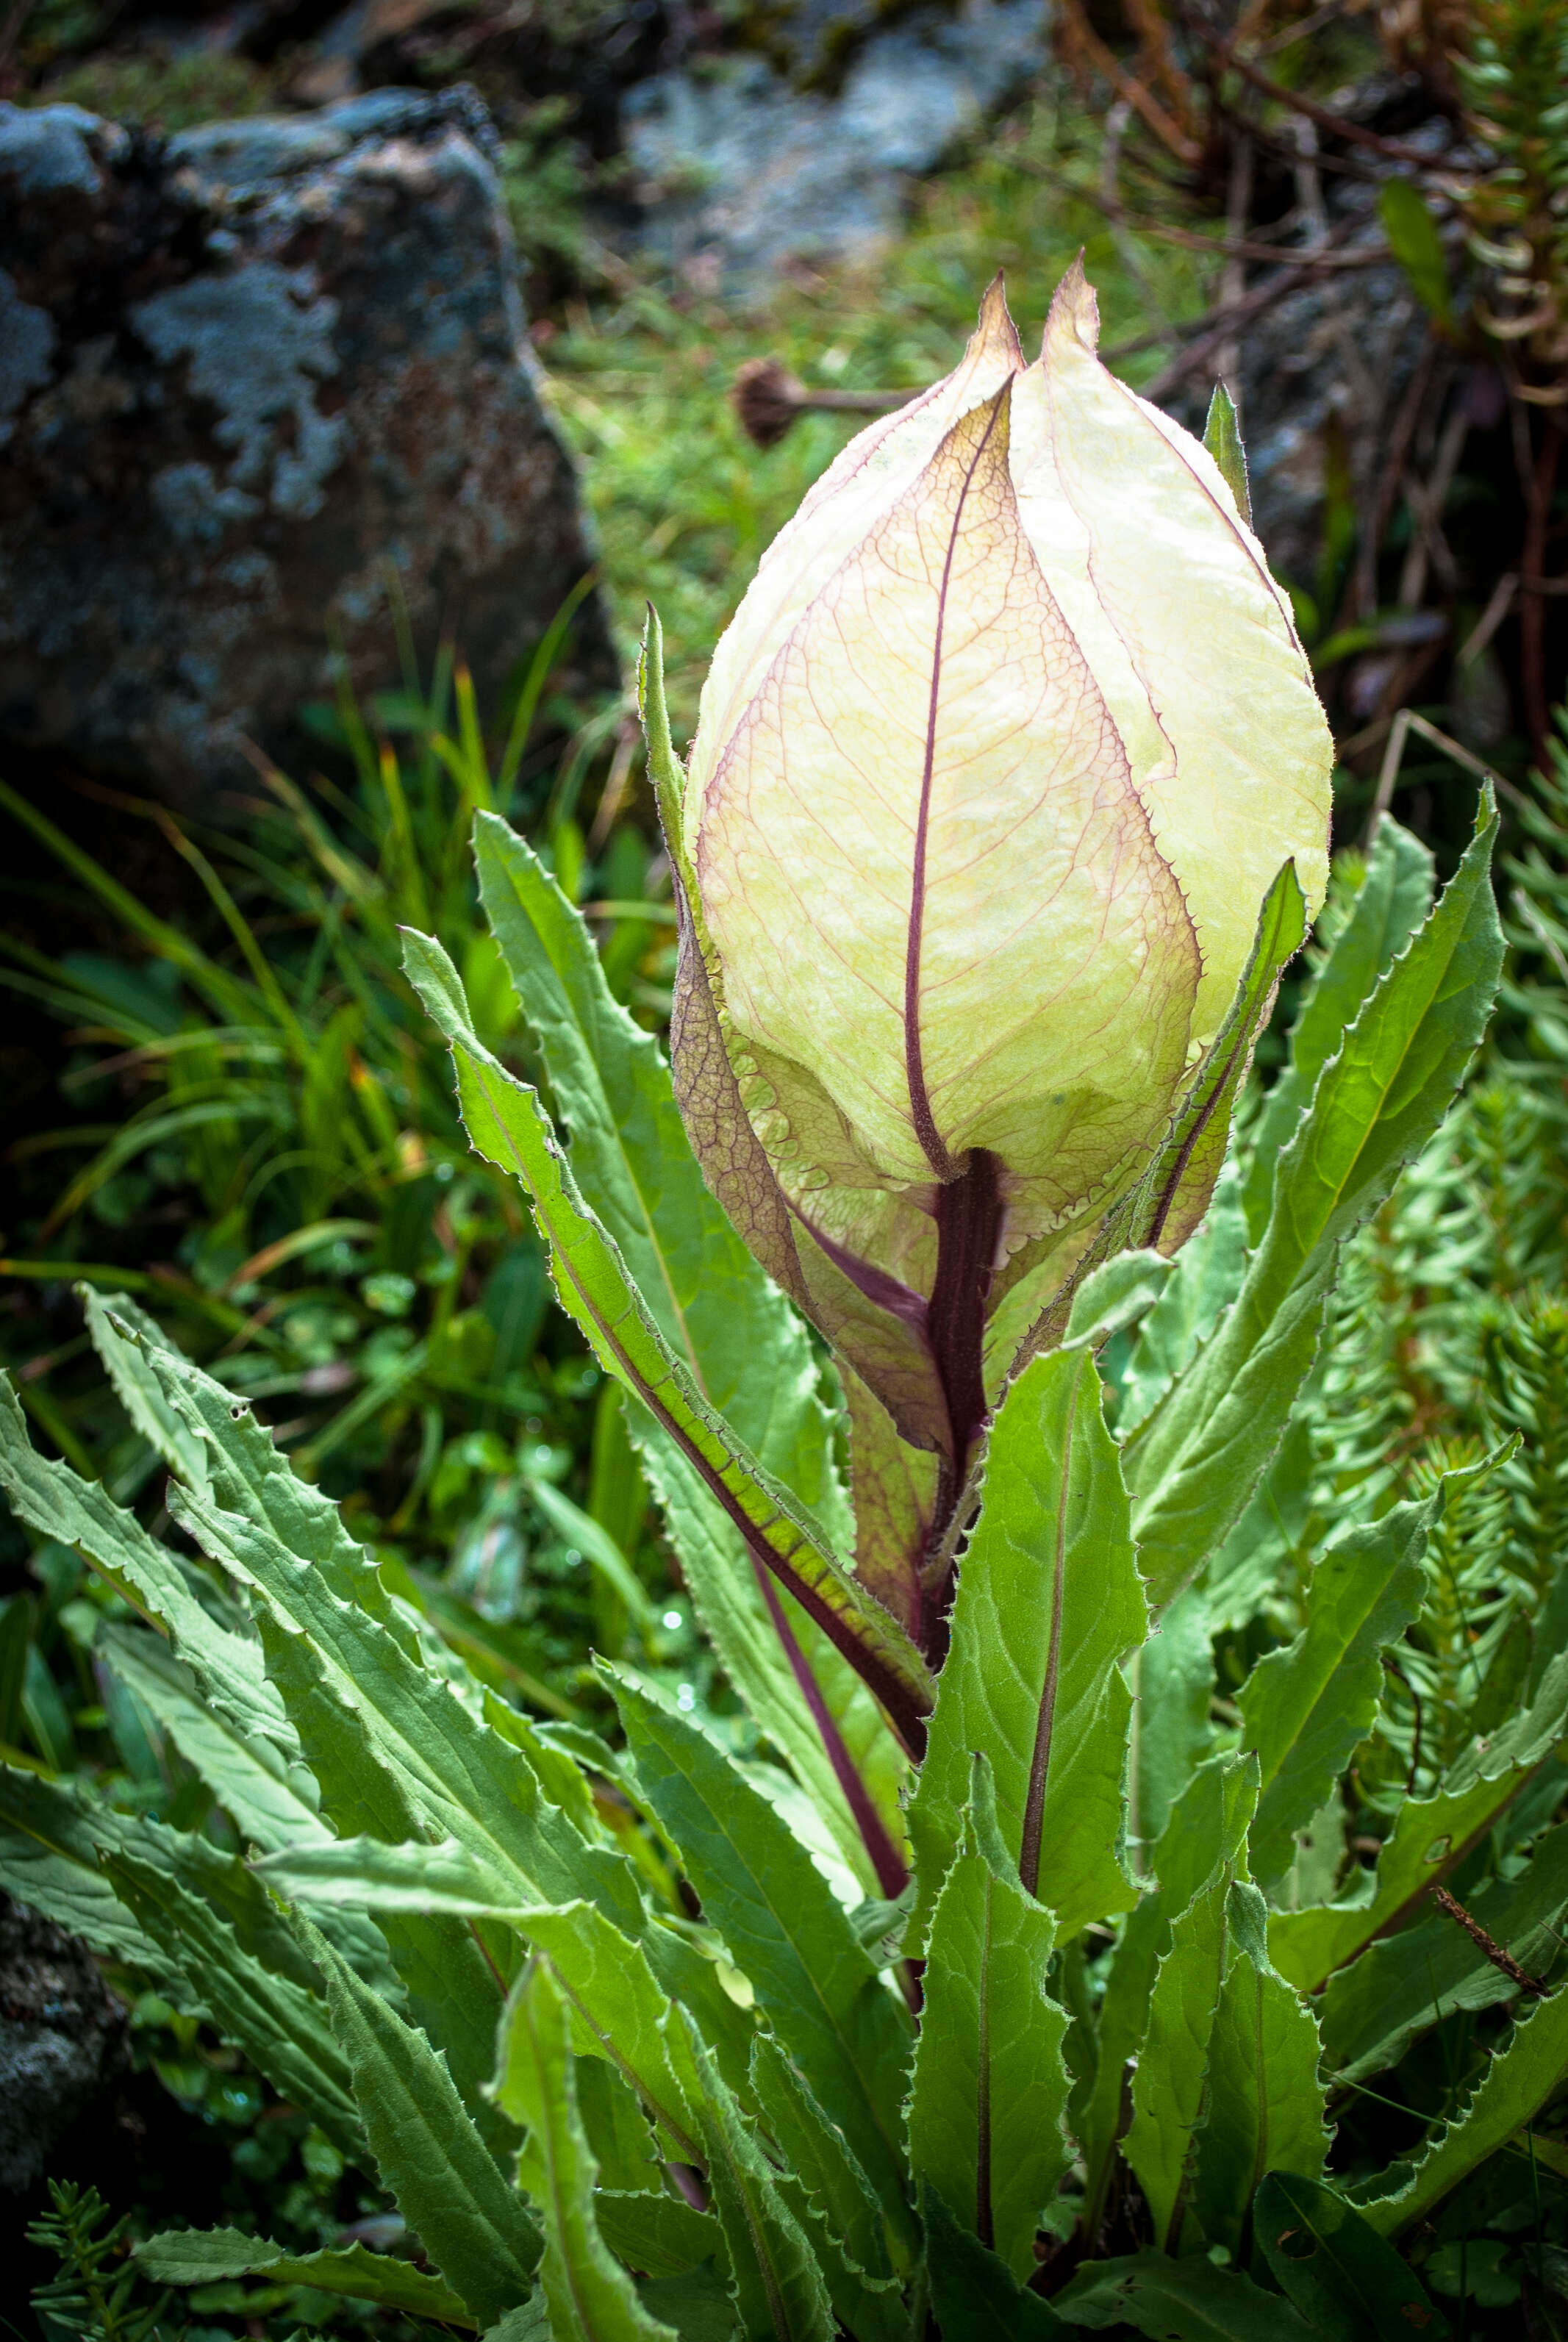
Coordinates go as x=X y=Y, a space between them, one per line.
x=1073 y=311
x=996 y=334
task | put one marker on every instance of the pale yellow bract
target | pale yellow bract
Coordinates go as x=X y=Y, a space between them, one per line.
x=995 y=765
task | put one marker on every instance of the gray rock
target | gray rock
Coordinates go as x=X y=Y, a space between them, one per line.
x=246 y=375
x=741 y=172
x=62 y=2040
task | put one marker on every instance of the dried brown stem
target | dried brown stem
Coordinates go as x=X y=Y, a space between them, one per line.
x=1488 y=1943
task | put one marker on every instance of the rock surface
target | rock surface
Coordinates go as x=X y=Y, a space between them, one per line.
x=741 y=169
x=246 y=376
x=62 y=2040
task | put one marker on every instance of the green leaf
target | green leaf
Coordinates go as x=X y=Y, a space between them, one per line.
x=778 y=2285
x=1204 y=1834
x=1223 y=439
x=1429 y=1837
x=989 y=2088
x=592 y=2298
x=75 y=1895
x=1193 y=1466
x=1393 y=897
x=58 y=1503
x=1348 y=2283
x=280 y=2026
x=206 y=2256
x=1172 y=1685
x=1416 y=243
x=658 y=2235
x=135 y=1388
x=1184 y=1177
x=1305 y=1707
x=784 y=1929
x=722 y=1316
x=1403 y=1985
x=1518 y=2080
x=816 y=2150
x=470 y=2221
x=1178 y=2301
x=620 y=2013
x=507 y=1123
x=973 y=2292
x=1265 y=2105
x=1205 y=1275
x=1170 y=2086
x=1049 y=1602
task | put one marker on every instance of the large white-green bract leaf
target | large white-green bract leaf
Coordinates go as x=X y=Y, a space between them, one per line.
x=1519 y=2079
x=1393 y=897
x=507 y=1123
x=591 y=2297
x=784 y=1929
x=1192 y=1465
x=449 y=2189
x=1431 y=1835
x=989 y=2088
x=1405 y=1983
x=1049 y=1603
x=208 y=2255
x=1305 y=1707
x=723 y=1317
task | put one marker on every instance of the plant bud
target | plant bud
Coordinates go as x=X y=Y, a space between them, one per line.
x=996 y=762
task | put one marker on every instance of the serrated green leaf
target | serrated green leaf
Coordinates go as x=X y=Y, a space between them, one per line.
x=591 y=2297
x=1173 y=1684
x=430 y=2157
x=747 y=1350
x=816 y=2151
x=1429 y=1837
x=206 y=2256
x=1206 y=1832
x=58 y=1503
x=784 y=1929
x=1393 y=897
x=1205 y=1275
x=1305 y=1707
x=1347 y=2282
x=989 y=2087
x=657 y=2235
x=1518 y=2080
x=1408 y=1982
x=1184 y=1177
x=507 y=1123
x=778 y=2285
x=1170 y=2085
x=621 y=2012
x=135 y=1389
x=281 y=2026
x=1178 y=2301
x=973 y=2292
x=74 y=1893
x=1265 y=2103
x=1193 y=1466
x=1049 y=1602
x=1223 y=439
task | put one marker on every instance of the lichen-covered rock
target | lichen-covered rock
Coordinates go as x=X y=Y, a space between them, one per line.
x=741 y=169
x=248 y=376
